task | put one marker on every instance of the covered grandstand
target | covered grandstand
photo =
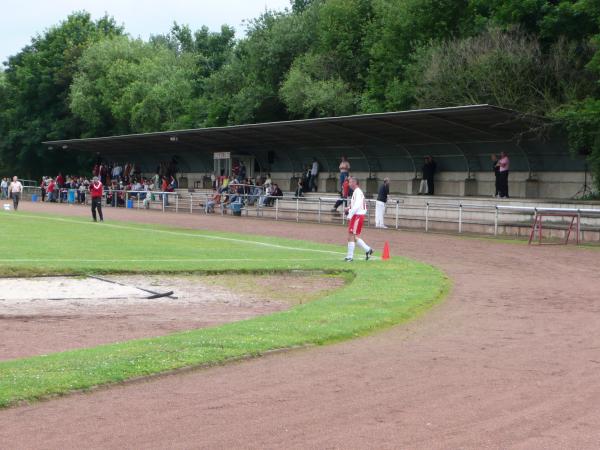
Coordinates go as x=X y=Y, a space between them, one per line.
x=393 y=144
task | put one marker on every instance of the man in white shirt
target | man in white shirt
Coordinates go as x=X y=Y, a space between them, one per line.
x=356 y=216
x=314 y=173
x=14 y=191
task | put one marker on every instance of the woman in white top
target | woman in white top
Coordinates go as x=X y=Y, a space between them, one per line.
x=14 y=191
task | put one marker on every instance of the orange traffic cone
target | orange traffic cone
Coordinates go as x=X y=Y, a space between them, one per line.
x=386 y=251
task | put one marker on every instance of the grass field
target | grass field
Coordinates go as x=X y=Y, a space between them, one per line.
x=380 y=294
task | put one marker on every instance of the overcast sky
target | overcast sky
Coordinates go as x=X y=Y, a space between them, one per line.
x=23 y=19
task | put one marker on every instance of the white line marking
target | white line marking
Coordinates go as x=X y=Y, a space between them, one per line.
x=150 y=260
x=175 y=233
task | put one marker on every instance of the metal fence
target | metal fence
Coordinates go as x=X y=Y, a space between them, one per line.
x=399 y=211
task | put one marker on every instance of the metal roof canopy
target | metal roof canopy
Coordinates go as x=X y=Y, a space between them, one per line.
x=447 y=133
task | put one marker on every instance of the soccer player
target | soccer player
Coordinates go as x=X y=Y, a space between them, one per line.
x=96 y=194
x=356 y=216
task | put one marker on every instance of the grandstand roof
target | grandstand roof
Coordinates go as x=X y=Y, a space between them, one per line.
x=457 y=136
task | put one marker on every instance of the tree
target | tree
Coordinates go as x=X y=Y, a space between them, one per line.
x=35 y=99
x=507 y=69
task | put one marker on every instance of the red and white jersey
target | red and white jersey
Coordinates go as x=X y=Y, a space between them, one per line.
x=358 y=205
x=96 y=189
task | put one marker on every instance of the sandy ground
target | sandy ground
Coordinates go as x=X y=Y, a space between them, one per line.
x=43 y=315
x=510 y=360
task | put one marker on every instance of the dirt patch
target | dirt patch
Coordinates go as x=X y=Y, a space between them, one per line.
x=40 y=316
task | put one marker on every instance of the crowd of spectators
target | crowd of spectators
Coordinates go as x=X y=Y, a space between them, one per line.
x=233 y=192
x=117 y=178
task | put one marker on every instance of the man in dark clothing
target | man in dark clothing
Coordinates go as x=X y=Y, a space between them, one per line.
x=382 y=196
x=96 y=194
x=428 y=172
x=496 y=174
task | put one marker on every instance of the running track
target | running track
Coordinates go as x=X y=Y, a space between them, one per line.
x=510 y=360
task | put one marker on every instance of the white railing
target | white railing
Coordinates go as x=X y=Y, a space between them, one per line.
x=319 y=209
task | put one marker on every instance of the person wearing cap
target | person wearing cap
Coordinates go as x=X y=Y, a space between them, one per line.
x=96 y=192
x=382 y=196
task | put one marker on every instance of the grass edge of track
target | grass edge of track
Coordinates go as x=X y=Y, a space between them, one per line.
x=382 y=294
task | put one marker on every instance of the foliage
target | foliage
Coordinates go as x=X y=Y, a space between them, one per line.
x=35 y=96
x=503 y=68
x=381 y=294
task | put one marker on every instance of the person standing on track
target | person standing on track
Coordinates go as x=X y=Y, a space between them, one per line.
x=14 y=190
x=382 y=197
x=356 y=216
x=96 y=191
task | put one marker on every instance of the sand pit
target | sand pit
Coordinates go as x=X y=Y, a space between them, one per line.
x=50 y=314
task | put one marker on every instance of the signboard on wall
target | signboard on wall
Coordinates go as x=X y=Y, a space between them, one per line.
x=222 y=155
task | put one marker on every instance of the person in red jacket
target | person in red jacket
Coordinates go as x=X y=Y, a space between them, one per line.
x=96 y=194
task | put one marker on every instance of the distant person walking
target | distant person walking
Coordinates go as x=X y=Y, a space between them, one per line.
x=429 y=169
x=4 y=186
x=344 y=170
x=503 y=168
x=15 y=190
x=96 y=191
x=356 y=217
x=496 y=173
x=382 y=197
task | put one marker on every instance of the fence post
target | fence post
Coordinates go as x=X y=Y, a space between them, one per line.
x=163 y=201
x=496 y=222
x=426 y=217
x=460 y=210
x=297 y=209
x=276 y=208
x=176 y=202
x=397 y=212
x=319 y=210
x=579 y=226
x=191 y=203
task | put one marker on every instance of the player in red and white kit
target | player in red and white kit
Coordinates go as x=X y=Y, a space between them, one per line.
x=356 y=216
x=96 y=194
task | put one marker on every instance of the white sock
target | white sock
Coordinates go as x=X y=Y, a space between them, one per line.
x=350 y=250
x=362 y=243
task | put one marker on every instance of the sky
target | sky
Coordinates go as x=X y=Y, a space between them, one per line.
x=21 y=20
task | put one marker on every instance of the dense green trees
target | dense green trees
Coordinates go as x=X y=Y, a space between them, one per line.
x=319 y=58
x=35 y=97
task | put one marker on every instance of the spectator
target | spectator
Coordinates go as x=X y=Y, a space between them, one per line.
x=496 y=174
x=213 y=202
x=300 y=188
x=60 y=180
x=81 y=193
x=14 y=189
x=51 y=190
x=382 y=197
x=43 y=188
x=275 y=192
x=4 y=186
x=314 y=173
x=344 y=170
x=429 y=169
x=503 y=168
x=344 y=194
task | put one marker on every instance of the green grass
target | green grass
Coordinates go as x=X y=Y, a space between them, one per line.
x=380 y=294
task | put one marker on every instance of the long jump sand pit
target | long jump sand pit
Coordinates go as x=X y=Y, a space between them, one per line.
x=50 y=314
